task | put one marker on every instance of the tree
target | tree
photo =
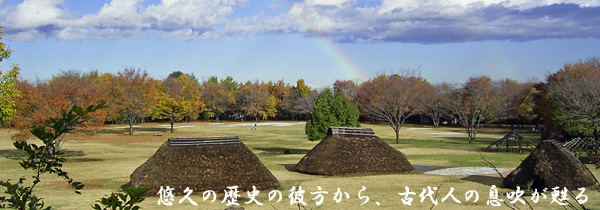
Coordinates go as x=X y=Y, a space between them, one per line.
x=474 y=103
x=299 y=102
x=436 y=102
x=393 y=98
x=44 y=159
x=8 y=91
x=510 y=96
x=251 y=99
x=280 y=92
x=131 y=95
x=574 y=92
x=270 y=107
x=330 y=111
x=527 y=110
x=178 y=98
x=347 y=88
x=217 y=97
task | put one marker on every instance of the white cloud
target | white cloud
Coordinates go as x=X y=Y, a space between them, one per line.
x=93 y=34
x=116 y=14
x=433 y=21
x=34 y=13
x=181 y=14
x=424 y=21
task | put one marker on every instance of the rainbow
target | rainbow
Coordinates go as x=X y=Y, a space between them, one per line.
x=337 y=55
x=350 y=69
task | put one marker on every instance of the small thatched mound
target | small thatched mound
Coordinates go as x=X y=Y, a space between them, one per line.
x=512 y=142
x=203 y=164
x=353 y=151
x=550 y=165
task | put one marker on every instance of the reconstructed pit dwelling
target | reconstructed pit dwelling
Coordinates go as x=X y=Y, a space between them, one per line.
x=209 y=163
x=346 y=151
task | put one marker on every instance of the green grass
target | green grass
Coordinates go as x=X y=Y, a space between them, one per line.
x=105 y=160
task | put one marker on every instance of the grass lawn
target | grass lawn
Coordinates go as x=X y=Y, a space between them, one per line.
x=104 y=161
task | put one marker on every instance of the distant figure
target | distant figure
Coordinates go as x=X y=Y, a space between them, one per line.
x=254 y=128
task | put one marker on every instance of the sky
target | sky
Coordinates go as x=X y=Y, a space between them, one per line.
x=319 y=41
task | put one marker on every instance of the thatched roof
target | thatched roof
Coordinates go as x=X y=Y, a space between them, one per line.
x=353 y=151
x=512 y=142
x=212 y=163
x=550 y=165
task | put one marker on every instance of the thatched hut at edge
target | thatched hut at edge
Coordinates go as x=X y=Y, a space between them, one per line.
x=212 y=163
x=550 y=165
x=583 y=148
x=512 y=142
x=353 y=151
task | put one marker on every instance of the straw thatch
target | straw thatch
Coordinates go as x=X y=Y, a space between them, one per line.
x=201 y=164
x=550 y=165
x=512 y=142
x=353 y=151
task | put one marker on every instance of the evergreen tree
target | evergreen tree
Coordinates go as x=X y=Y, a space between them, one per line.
x=329 y=111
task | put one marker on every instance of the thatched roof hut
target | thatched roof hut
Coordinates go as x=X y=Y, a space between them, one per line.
x=353 y=151
x=550 y=165
x=583 y=146
x=212 y=163
x=512 y=142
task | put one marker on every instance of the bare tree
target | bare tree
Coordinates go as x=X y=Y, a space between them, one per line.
x=474 y=103
x=510 y=96
x=436 y=102
x=393 y=98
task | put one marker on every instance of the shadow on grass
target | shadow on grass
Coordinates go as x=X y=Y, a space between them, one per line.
x=18 y=154
x=281 y=150
x=485 y=180
x=135 y=129
x=289 y=167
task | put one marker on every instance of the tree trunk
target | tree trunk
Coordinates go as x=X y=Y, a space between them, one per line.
x=470 y=133
x=130 y=125
x=397 y=130
x=171 y=121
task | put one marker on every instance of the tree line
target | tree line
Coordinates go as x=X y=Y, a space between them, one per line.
x=132 y=97
x=567 y=103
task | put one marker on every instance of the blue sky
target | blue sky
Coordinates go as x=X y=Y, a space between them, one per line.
x=317 y=40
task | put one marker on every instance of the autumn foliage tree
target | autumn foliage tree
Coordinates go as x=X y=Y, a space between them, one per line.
x=511 y=94
x=178 y=97
x=218 y=97
x=437 y=100
x=252 y=99
x=528 y=109
x=131 y=95
x=279 y=92
x=330 y=110
x=299 y=102
x=574 y=93
x=348 y=88
x=393 y=98
x=8 y=91
x=43 y=100
x=474 y=103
